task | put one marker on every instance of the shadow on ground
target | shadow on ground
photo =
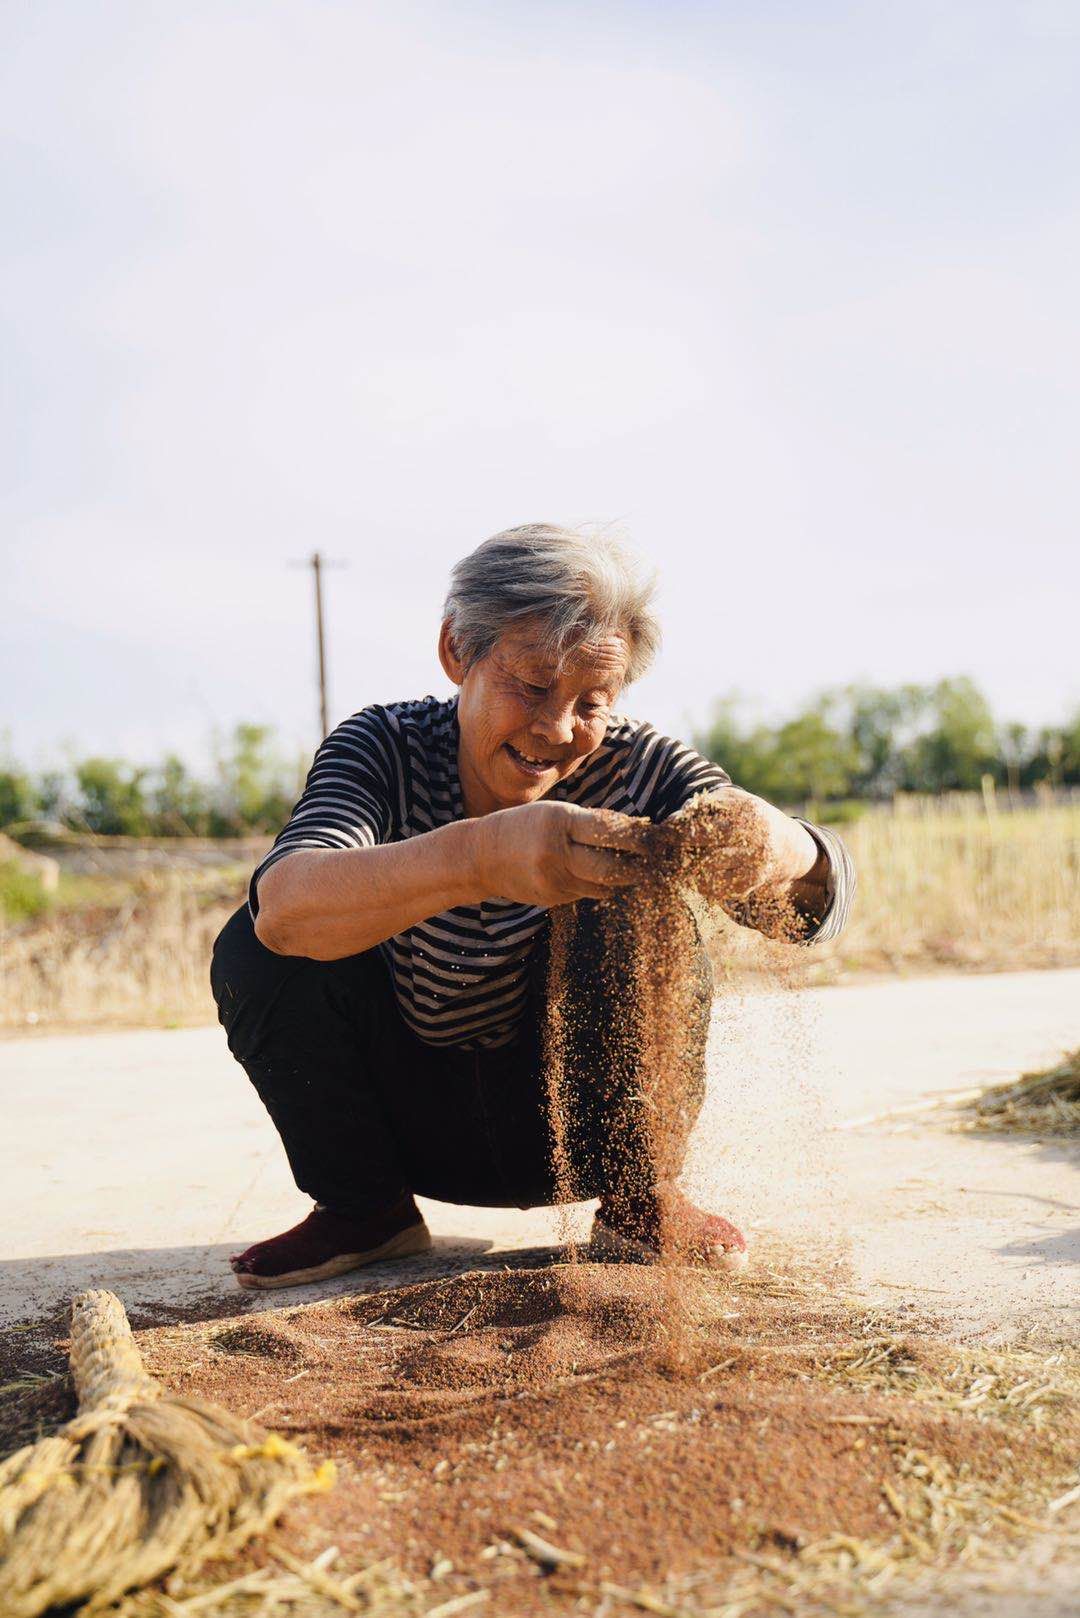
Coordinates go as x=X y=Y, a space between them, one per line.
x=1060 y=1248
x=169 y=1285
x=1046 y=1148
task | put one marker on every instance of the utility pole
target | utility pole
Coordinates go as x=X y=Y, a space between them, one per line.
x=320 y=641
x=317 y=562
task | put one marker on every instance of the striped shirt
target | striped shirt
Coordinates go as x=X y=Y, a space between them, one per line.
x=391 y=773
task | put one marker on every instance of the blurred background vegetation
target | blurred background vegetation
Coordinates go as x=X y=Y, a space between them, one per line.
x=865 y=743
x=115 y=877
x=856 y=745
x=250 y=788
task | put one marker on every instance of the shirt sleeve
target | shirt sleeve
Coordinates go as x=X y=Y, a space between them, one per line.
x=839 y=887
x=665 y=774
x=353 y=796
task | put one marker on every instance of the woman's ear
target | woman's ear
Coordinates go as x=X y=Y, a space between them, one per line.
x=453 y=667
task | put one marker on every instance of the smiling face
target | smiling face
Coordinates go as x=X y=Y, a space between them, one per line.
x=525 y=723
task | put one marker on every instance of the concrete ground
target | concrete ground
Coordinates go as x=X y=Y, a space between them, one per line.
x=139 y=1161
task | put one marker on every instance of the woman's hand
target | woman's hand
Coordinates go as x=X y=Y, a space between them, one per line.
x=553 y=853
x=747 y=847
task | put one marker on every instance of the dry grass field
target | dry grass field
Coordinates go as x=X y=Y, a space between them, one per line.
x=942 y=886
x=951 y=886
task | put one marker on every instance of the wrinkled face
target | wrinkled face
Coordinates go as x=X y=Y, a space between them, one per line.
x=526 y=724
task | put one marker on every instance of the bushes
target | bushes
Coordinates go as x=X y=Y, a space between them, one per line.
x=22 y=896
x=249 y=789
x=18 y=799
x=869 y=742
x=111 y=798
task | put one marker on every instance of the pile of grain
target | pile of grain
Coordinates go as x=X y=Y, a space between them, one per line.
x=712 y=849
x=479 y=1418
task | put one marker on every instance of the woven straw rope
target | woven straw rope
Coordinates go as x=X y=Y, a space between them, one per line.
x=138 y=1483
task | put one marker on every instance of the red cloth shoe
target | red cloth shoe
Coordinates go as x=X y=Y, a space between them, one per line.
x=326 y=1243
x=632 y=1228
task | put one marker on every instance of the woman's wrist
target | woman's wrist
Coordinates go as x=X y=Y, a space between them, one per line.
x=801 y=853
x=468 y=852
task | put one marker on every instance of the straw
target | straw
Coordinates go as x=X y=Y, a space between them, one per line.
x=138 y=1483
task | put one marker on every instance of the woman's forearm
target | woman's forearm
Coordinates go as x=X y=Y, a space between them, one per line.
x=780 y=909
x=328 y=903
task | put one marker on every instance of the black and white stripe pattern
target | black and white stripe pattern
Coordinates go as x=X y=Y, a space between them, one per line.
x=390 y=773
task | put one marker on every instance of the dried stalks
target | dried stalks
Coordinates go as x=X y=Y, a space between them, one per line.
x=139 y=1481
x=939 y=886
x=144 y=962
x=1046 y=1103
x=949 y=886
x=1003 y=1383
x=289 y=1588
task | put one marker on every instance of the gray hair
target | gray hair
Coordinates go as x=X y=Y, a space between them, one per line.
x=578 y=587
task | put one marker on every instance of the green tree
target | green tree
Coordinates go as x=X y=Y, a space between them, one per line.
x=959 y=744
x=53 y=795
x=253 y=788
x=110 y=797
x=17 y=797
x=746 y=754
x=881 y=723
x=807 y=757
x=1054 y=755
x=180 y=803
x=1070 y=749
x=811 y=759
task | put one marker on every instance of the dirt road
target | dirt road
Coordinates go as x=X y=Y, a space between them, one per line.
x=139 y=1161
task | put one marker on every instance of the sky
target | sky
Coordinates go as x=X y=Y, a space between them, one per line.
x=785 y=292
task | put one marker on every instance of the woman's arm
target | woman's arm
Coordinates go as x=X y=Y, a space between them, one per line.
x=328 y=903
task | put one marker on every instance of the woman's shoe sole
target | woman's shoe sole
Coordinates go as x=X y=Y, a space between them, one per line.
x=414 y=1239
x=608 y=1243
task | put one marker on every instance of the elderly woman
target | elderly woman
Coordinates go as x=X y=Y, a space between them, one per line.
x=385 y=987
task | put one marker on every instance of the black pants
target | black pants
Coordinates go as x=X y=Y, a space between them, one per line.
x=367 y=1111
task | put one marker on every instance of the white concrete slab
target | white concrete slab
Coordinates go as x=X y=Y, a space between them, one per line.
x=139 y=1161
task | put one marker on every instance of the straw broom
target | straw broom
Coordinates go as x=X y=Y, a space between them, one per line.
x=139 y=1482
